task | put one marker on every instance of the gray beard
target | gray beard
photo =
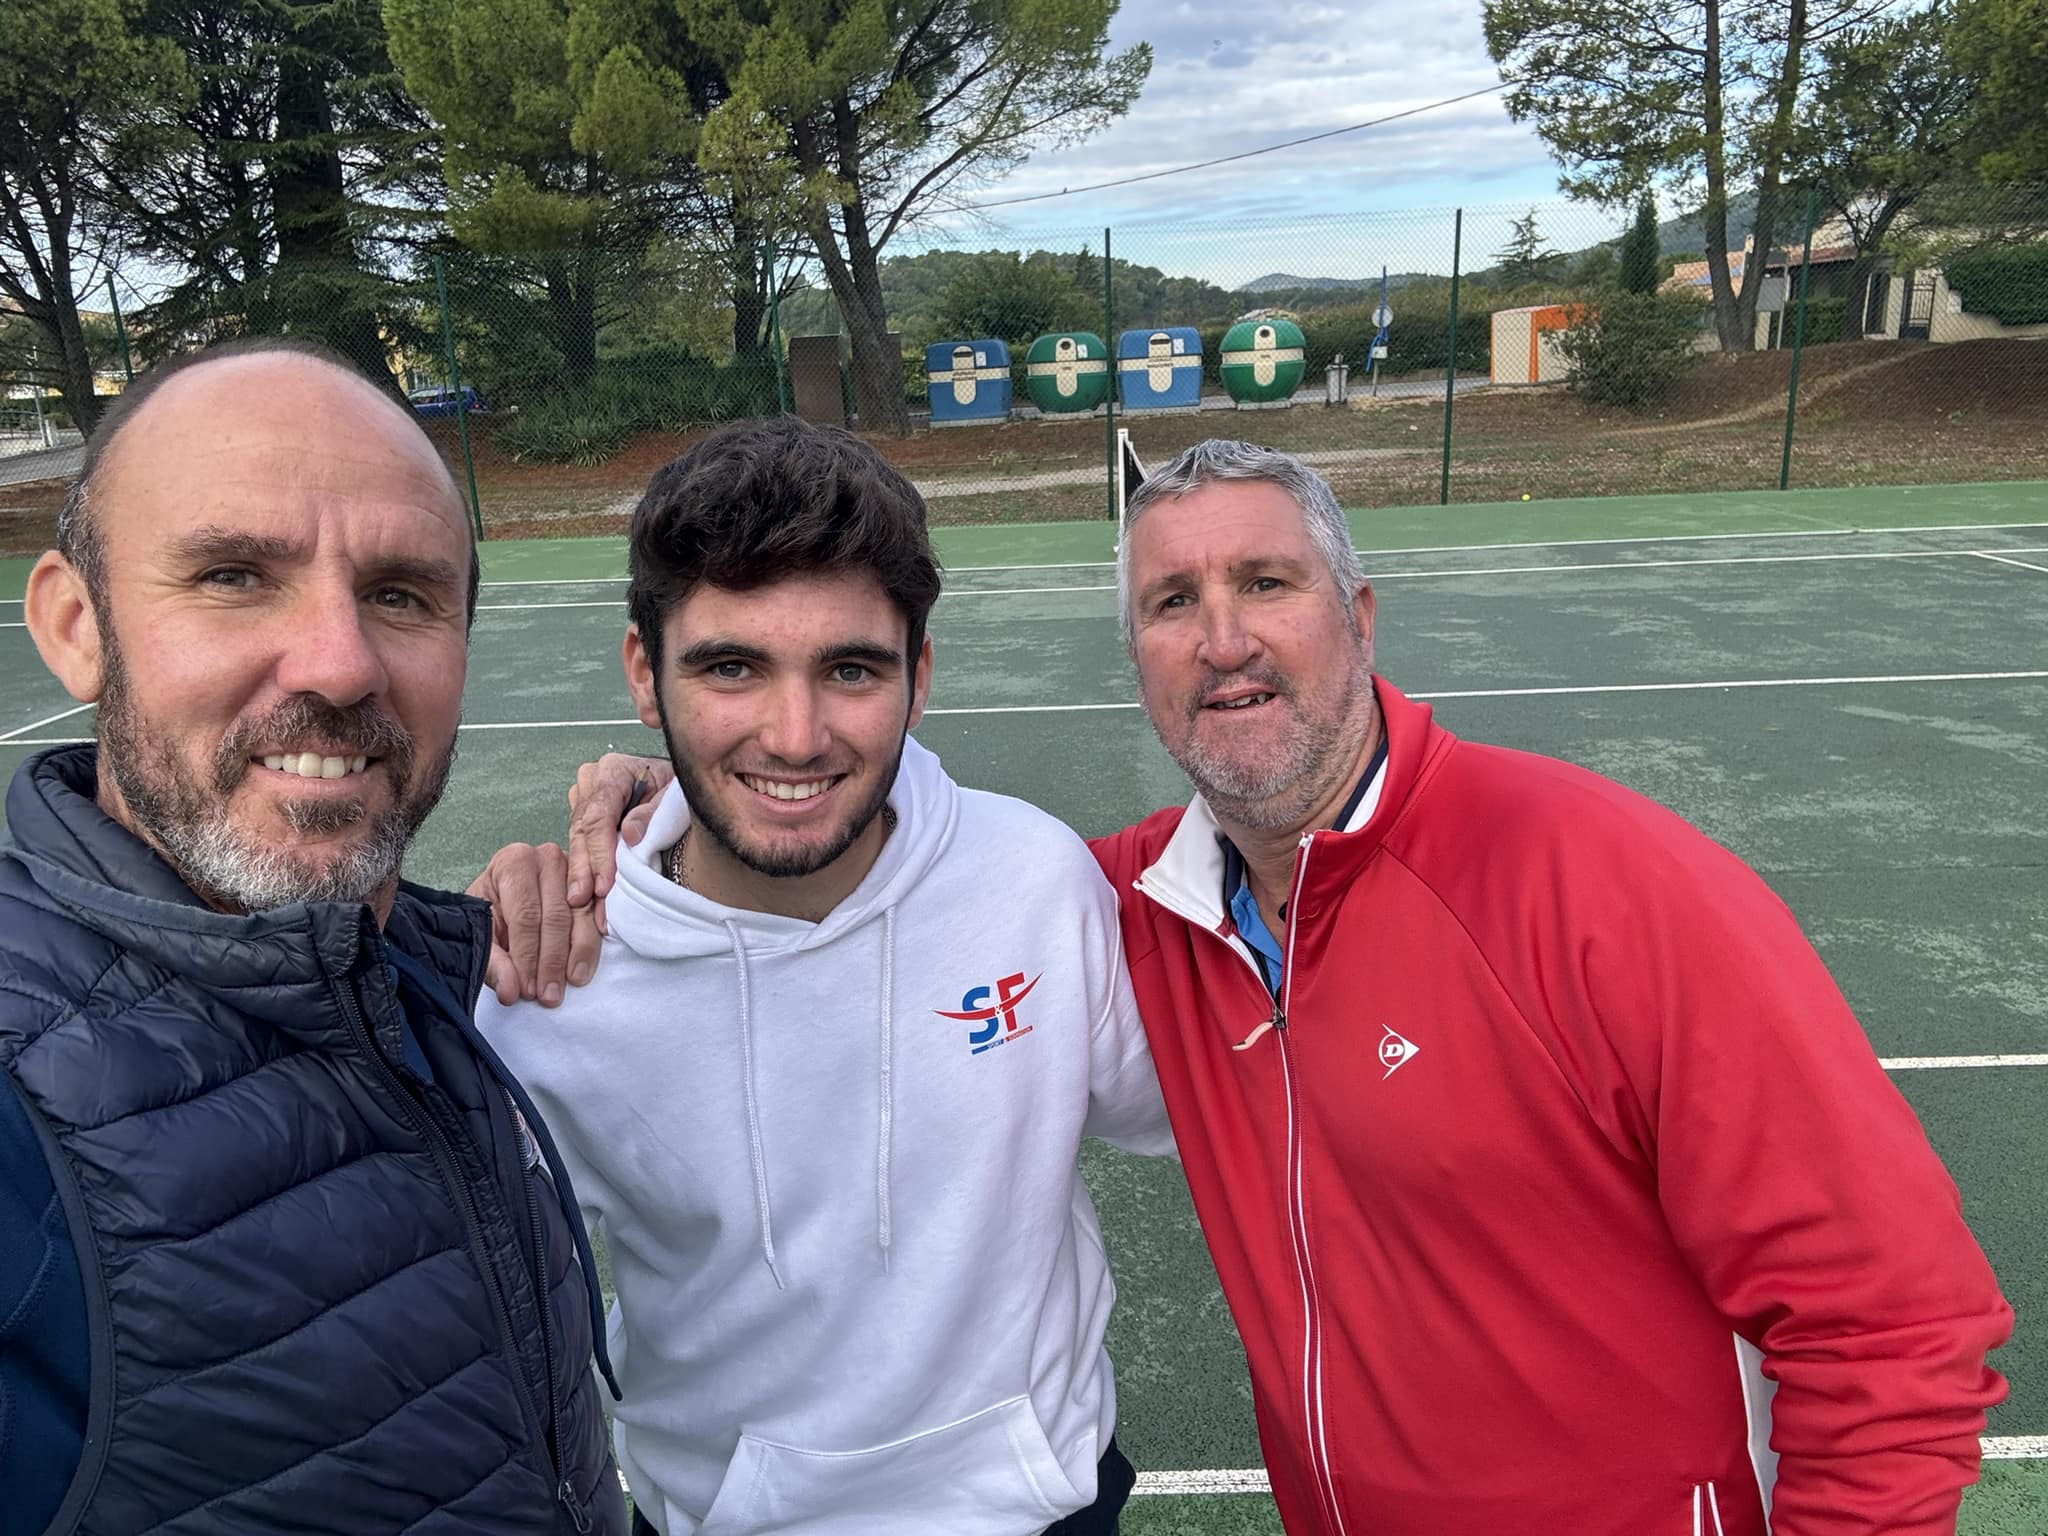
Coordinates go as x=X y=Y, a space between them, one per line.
x=189 y=823
x=1279 y=792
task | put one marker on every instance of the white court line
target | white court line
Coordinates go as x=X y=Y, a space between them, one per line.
x=1430 y=549
x=1256 y=1480
x=1985 y=554
x=609 y=602
x=1936 y=1063
x=1650 y=538
x=1245 y=1480
x=1659 y=565
x=1754 y=682
x=1479 y=570
x=554 y=581
x=1455 y=693
x=35 y=725
x=1467 y=693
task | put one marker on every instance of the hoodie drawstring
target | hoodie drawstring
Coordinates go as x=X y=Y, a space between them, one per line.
x=886 y=1092
x=739 y=950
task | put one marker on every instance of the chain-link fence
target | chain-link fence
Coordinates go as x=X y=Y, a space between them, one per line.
x=1484 y=354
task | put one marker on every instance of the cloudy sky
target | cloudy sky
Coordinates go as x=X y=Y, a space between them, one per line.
x=1233 y=75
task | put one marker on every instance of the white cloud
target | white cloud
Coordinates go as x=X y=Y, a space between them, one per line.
x=1228 y=76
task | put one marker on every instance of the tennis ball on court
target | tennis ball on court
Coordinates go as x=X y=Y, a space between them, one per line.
x=1525 y=495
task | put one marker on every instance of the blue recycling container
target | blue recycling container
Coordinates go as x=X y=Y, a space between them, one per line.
x=967 y=381
x=1160 y=369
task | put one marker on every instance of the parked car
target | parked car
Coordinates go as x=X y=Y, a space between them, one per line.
x=439 y=400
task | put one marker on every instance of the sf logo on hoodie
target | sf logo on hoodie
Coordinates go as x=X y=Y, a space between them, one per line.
x=996 y=1022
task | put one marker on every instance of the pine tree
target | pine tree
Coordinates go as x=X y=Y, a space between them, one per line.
x=1525 y=258
x=1087 y=271
x=1641 y=267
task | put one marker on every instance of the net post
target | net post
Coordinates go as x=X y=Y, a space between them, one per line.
x=476 y=510
x=1443 y=495
x=768 y=254
x=1798 y=339
x=1109 y=401
x=120 y=330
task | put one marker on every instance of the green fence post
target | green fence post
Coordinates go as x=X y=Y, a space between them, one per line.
x=476 y=509
x=1109 y=401
x=120 y=330
x=775 y=330
x=1443 y=495
x=1798 y=339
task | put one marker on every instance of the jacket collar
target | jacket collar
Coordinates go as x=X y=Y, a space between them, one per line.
x=106 y=879
x=1187 y=877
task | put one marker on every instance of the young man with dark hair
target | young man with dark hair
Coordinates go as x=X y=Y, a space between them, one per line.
x=826 y=1093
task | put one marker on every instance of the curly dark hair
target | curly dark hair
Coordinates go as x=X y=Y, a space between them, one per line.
x=759 y=501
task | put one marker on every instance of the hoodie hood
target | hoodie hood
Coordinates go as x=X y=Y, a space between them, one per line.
x=660 y=920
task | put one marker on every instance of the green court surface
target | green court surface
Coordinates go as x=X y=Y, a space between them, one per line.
x=1849 y=688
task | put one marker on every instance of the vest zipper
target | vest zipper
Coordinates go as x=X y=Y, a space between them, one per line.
x=529 y=1165
x=1297 y=1219
x=465 y=1204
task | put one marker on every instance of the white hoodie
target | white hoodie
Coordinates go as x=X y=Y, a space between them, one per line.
x=860 y=1284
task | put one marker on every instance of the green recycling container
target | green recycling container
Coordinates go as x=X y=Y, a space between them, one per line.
x=1262 y=360
x=1067 y=374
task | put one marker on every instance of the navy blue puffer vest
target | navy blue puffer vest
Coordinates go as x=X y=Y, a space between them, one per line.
x=326 y=1293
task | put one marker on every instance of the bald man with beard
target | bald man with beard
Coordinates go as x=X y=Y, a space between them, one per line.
x=282 y=1245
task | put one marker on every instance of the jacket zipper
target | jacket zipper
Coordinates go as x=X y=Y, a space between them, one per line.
x=529 y=1164
x=1297 y=1219
x=1297 y=1214
x=465 y=1204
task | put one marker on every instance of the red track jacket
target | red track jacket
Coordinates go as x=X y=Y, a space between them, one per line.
x=1561 y=1123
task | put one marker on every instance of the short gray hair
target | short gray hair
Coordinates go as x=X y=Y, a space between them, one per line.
x=1218 y=459
x=78 y=540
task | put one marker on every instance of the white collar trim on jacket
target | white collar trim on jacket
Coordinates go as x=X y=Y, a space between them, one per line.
x=1187 y=877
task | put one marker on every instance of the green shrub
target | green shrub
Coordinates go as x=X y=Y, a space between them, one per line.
x=660 y=389
x=2007 y=283
x=1825 y=320
x=1630 y=348
x=567 y=429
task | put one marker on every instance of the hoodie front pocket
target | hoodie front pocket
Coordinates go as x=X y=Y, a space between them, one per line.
x=991 y=1472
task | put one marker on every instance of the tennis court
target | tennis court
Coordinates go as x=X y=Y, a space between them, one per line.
x=1847 y=687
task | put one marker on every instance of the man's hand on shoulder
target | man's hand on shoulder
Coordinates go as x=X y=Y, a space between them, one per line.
x=612 y=797
x=539 y=940
x=547 y=903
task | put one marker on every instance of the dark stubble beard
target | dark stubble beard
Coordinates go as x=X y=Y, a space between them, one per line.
x=777 y=864
x=186 y=815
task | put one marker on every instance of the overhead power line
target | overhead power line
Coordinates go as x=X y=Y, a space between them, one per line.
x=1249 y=154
